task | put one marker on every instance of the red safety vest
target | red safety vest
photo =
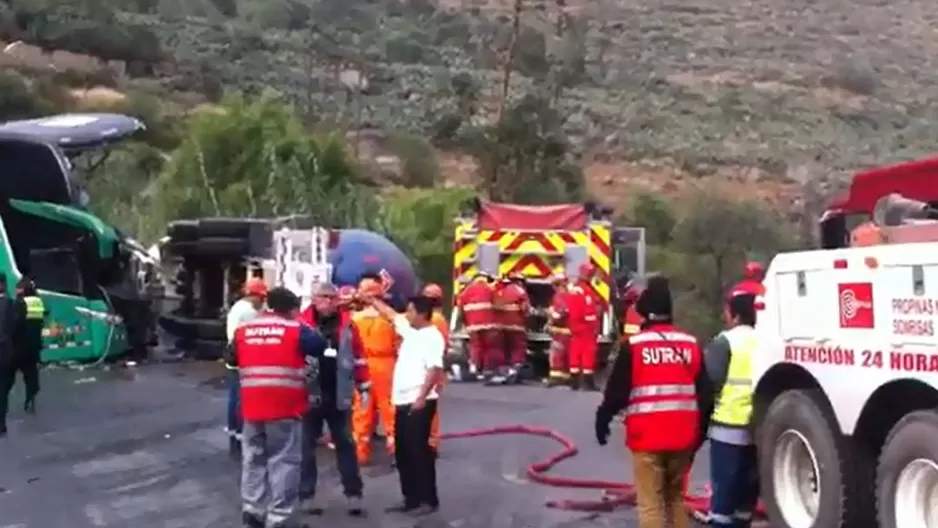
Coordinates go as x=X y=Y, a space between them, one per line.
x=272 y=369
x=511 y=306
x=477 y=308
x=662 y=413
x=631 y=323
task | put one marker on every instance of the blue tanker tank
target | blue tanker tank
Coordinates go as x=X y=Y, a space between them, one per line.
x=359 y=252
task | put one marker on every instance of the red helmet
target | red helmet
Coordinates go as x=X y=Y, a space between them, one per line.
x=255 y=286
x=585 y=271
x=754 y=270
x=433 y=291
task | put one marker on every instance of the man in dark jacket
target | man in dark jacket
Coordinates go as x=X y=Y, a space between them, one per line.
x=27 y=338
x=8 y=365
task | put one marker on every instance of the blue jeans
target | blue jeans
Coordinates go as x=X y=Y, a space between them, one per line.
x=234 y=403
x=734 y=475
x=339 y=423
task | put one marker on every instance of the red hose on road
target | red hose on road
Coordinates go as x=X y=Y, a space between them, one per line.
x=615 y=494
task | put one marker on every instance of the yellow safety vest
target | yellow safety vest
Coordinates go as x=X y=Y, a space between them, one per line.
x=35 y=309
x=734 y=404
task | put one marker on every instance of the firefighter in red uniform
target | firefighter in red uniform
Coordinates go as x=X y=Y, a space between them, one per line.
x=632 y=321
x=584 y=323
x=753 y=275
x=475 y=302
x=659 y=381
x=560 y=334
x=273 y=354
x=511 y=309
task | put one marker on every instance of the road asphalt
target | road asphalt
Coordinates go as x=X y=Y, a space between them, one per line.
x=144 y=446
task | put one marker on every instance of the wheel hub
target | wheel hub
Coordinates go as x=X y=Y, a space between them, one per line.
x=916 y=497
x=796 y=480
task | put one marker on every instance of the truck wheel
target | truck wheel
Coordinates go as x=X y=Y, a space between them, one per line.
x=209 y=247
x=907 y=474
x=807 y=472
x=183 y=230
x=225 y=227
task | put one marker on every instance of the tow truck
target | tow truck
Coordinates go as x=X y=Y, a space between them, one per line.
x=846 y=386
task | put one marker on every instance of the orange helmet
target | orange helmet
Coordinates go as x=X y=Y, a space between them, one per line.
x=433 y=291
x=754 y=270
x=346 y=293
x=370 y=287
x=255 y=286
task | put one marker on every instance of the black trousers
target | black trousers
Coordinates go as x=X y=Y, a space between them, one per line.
x=29 y=369
x=416 y=463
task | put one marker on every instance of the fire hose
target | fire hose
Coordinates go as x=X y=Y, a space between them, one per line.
x=614 y=494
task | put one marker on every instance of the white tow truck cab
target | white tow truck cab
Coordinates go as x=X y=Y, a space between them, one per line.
x=846 y=400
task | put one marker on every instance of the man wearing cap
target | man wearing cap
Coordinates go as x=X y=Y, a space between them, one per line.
x=733 y=465
x=273 y=353
x=338 y=374
x=659 y=381
x=242 y=311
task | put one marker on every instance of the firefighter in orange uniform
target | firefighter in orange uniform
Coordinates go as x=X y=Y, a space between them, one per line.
x=380 y=341
x=583 y=310
x=560 y=334
x=475 y=302
x=659 y=380
x=511 y=309
x=435 y=292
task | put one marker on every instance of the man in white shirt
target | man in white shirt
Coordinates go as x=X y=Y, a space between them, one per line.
x=418 y=373
x=242 y=311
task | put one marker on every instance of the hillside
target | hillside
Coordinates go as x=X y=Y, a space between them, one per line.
x=763 y=97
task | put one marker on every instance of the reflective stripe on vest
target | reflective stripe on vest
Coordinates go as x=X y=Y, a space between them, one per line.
x=734 y=404
x=666 y=401
x=35 y=309
x=293 y=378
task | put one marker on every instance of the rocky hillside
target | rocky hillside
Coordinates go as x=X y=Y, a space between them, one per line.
x=766 y=98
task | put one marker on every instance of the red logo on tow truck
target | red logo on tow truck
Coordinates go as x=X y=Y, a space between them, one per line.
x=856 y=305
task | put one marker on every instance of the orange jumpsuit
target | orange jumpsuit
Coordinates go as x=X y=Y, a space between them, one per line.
x=380 y=343
x=440 y=322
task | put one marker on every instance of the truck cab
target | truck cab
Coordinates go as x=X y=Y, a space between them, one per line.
x=846 y=386
x=85 y=270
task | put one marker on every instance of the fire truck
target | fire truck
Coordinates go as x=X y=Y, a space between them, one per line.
x=846 y=398
x=538 y=242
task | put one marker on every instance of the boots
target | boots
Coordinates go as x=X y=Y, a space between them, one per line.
x=234 y=449
x=29 y=406
x=249 y=520
x=575 y=381
x=557 y=381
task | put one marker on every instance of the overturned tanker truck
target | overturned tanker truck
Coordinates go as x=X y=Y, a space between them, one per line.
x=206 y=262
x=94 y=280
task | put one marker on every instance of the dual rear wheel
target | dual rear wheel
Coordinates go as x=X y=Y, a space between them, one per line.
x=813 y=477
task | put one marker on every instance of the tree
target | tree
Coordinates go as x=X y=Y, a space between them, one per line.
x=257 y=159
x=719 y=234
x=655 y=215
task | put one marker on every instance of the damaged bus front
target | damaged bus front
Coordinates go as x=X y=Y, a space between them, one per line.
x=90 y=275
